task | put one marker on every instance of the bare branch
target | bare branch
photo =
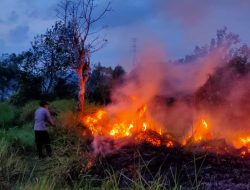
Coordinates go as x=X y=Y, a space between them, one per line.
x=62 y=10
x=79 y=17
x=98 y=31
x=102 y=14
x=96 y=46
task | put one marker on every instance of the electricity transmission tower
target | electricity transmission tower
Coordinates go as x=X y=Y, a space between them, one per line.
x=134 y=51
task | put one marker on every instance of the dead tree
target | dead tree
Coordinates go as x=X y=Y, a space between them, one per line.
x=79 y=18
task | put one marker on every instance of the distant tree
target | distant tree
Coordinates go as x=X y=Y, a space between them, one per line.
x=50 y=58
x=8 y=75
x=236 y=65
x=66 y=88
x=29 y=88
x=224 y=41
x=101 y=82
x=118 y=72
x=79 y=18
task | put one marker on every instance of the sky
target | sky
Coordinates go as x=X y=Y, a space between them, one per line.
x=175 y=25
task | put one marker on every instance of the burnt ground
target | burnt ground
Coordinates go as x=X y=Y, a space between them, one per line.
x=177 y=165
x=208 y=165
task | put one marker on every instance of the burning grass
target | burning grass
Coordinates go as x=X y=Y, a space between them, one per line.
x=123 y=128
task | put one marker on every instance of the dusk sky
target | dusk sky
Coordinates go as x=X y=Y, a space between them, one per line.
x=176 y=25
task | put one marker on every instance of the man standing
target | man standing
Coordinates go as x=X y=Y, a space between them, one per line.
x=42 y=118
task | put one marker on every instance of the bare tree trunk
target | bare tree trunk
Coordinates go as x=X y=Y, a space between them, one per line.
x=81 y=90
x=82 y=73
x=82 y=84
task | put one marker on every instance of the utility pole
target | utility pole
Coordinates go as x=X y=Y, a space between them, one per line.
x=134 y=51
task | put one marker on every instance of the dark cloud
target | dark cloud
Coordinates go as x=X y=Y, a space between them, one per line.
x=19 y=34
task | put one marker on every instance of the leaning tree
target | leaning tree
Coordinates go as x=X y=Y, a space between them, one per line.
x=81 y=36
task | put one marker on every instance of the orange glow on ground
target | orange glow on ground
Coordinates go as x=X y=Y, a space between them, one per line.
x=123 y=125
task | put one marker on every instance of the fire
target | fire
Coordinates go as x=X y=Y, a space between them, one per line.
x=121 y=125
x=140 y=126
x=204 y=123
x=144 y=126
x=200 y=131
x=170 y=144
x=121 y=129
x=243 y=154
x=245 y=141
x=92 y=121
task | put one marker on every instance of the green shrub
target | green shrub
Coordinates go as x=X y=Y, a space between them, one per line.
x=63 y=105
x=23 y=137
x=27 y=111
x=64 y=112
x=56 y=107
x=7 y=114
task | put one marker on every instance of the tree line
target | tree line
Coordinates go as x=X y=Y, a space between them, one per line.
x=21 y=80
x=58 y=64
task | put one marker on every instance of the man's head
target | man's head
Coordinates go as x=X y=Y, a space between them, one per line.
x=44 y=104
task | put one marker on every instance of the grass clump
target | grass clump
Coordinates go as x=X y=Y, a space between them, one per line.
x=63 y=105
x=20 y=137
x=7 y=114
x=12 y=168
x=27 y=112
x=41 y=183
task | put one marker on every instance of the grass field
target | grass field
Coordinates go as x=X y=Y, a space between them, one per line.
x=20 y=167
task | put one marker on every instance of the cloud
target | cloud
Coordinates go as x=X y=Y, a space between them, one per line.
x=13 y=17
x=21 y=20
x=128 y=12
x=19 y=34
x=2 y=46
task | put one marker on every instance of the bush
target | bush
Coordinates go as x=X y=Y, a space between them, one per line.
x=27 y=112
x=64 y=105
x=23 y=138
x=64 y=112
x=56 y=107
x=7 y=114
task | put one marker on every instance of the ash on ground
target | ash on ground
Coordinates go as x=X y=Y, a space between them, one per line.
x=176 y=165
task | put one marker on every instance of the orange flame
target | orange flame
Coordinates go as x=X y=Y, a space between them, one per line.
x=122 y=125
x=245 y=140
x=126 y=125
x=202 y=131
x=100 y=123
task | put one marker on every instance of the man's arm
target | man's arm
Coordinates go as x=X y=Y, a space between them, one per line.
x=49 y=119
